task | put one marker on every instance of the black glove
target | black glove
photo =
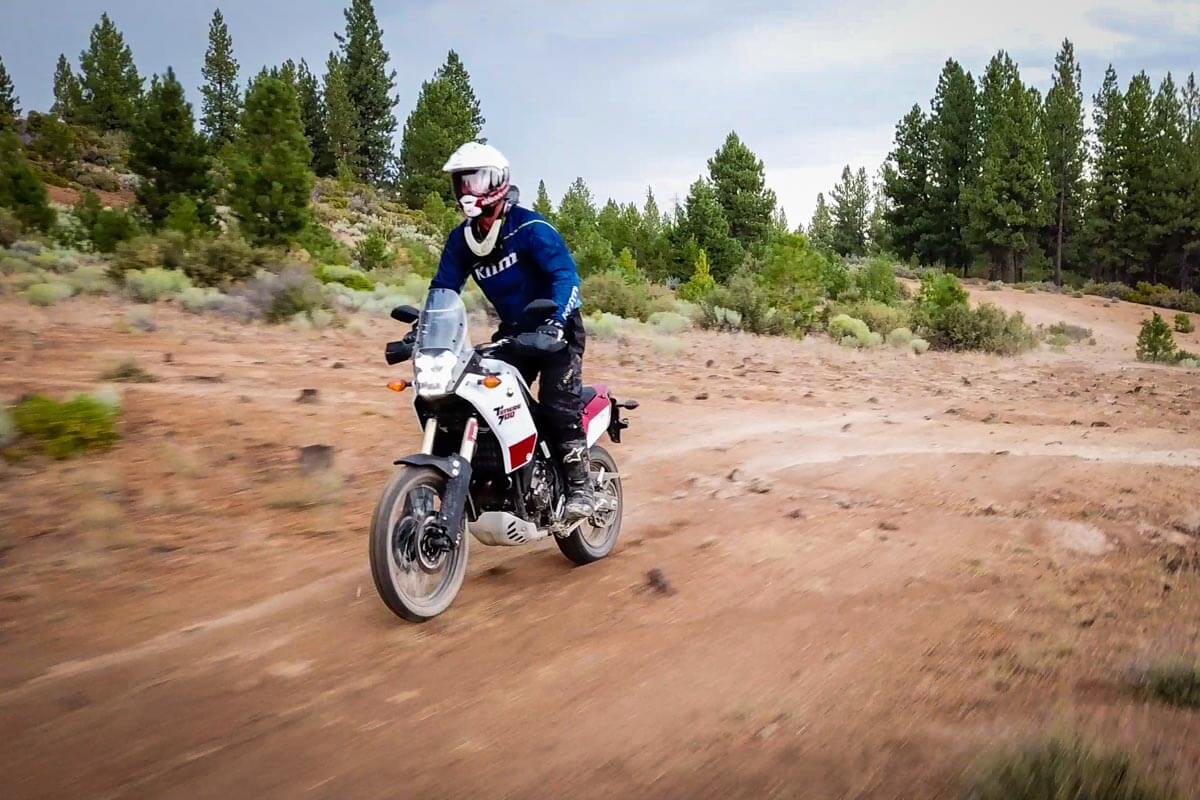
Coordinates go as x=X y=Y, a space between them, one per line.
x=548 y=338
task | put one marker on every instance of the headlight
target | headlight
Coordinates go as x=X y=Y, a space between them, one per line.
x=434 y=372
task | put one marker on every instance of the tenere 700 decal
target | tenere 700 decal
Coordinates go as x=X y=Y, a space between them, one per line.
x=503 y=413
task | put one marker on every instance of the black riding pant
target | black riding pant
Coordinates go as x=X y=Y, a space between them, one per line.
x=560 y=385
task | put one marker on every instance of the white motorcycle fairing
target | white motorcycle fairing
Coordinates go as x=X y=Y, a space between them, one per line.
x=503 y=409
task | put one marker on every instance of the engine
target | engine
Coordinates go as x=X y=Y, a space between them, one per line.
x=543 y=488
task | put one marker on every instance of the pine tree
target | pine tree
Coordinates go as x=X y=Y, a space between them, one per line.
x=110 y=82
x=820 y=228
x=1191 y=182
x=341 y=121
x=1170 y=170
x=1106 y=197
x=1136 y=232
x=312 y=111
x=454 y=71
x=222 y=98
x=701 y=284
x=443 y=120
x=168 y=152
x=1155 y=341
x=68 y=94
x=10 y=107
x=879 y=231
x=851 y=198
x=270 y=178
x=703 y=225
x=369 y=84
x=576 y=215
x=740 y=184
x=909 y=205
x=1062 y=124
x=654 y=254
x=543 y=204
x=953 y=160
x=1006 y=203
x=20 y=190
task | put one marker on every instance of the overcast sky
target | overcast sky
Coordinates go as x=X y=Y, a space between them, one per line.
x=629 y=94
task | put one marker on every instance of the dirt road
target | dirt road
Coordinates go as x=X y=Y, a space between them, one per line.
x=878 y=566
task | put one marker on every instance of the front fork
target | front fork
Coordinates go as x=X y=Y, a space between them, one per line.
x=457 y=469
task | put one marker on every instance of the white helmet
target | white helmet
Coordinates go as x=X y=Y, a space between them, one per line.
x=480 y=182
x=479 y=177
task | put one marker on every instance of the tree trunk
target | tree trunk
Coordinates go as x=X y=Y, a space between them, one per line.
x=1062 y=211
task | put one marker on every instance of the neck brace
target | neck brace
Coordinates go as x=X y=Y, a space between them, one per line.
x=484 y=247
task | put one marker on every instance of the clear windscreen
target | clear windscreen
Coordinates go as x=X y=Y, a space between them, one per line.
x=443 y=323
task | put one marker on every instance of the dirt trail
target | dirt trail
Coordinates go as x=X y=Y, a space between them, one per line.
x=878 y=567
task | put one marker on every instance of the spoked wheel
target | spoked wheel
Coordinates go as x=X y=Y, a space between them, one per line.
x=416 y=571
x=597 y=536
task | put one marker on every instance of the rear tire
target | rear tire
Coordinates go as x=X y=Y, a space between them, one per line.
x=407 y=500
x=596 y=537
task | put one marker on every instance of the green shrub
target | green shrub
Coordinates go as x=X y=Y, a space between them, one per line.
x=166 y=250
x=994 y=286
x=183 y=216
x=111 y=228
x=879 y=317
x=222 y=260
x=669 y=322
x=152 y=285
x=900 y=337
x=1184 y=324
x=752 y=304
x=10 y=227
x=89 y=279
x=1155 y=341
x=721 y=318
x=1072 y=333
x=321 y=245
x=609 y=292
x=1058 y=341
x=47 y=294
x=1176 y=684
x=941 y=290
x=919 y=346
x=877 y=281
x=278 y=297
x=373 y=252
x=701 y=284
x=346 y=276
x=986 y=328
x=21 y=192
x=198 y=299
x=844 y=325
x=1062 y=770
x=68 y=428
x=128 y=371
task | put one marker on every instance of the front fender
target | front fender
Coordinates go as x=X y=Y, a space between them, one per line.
x=450 y=466
x=457 y=496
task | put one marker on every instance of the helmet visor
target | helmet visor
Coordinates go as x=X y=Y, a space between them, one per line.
x=477 y=183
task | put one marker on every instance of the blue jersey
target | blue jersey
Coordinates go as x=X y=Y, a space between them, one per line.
x=529 y=262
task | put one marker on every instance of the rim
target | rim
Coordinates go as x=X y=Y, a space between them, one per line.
x=599 y=526
x=422 y=583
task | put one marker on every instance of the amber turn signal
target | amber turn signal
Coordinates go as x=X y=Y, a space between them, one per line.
x=398 y=386
x=491 y=381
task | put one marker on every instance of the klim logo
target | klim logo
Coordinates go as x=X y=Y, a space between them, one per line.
x=492 y=270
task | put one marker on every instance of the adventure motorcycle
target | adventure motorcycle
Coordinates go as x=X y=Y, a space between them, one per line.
x=482 y=468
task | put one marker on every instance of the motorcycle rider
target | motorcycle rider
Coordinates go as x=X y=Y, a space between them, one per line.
x=516 y=256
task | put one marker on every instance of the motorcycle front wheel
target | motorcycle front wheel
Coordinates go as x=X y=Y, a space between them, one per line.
x=413 y=577
x=597 y=536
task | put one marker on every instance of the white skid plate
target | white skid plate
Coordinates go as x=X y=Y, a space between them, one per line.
x=499 y=528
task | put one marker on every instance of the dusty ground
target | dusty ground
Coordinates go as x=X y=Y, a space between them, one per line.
x=879 y=567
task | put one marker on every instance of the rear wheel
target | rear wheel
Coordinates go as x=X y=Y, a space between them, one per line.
x=415 y=575
x=597 y=535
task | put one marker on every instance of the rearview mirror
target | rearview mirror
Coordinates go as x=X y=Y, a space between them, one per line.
x=405 y=314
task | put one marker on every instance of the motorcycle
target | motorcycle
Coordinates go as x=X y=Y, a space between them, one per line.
x=483 y=469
